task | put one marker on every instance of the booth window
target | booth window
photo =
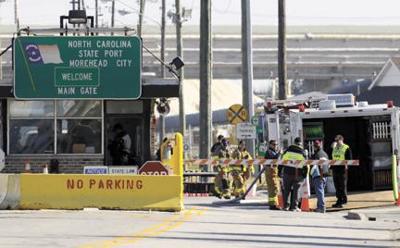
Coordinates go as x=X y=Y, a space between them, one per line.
x=79 y=126
x=31 y=127
x=75 y=126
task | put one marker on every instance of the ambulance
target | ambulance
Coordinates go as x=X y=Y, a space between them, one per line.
x=371 y=131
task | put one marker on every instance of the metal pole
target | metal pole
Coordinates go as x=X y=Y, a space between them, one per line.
x=190 y=142
x=162 y=55
x=205 y=78
x=247 y=67
x=282 y=50
x=112 y=14
x=182 y=118
x=83 y=8
x=162 y=68
x=141 y=11
x=16 y=22
x=96 y=13
x=73 y=2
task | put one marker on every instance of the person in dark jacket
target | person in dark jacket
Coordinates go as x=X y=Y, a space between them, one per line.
x=217 y=146
x=292 y=177
x=319 y=175
x=120 y=148
x=341 y=151
x=271 y=176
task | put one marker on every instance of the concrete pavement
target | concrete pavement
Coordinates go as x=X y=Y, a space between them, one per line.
x=359 y=200
x=356 y=200
x=202 y=224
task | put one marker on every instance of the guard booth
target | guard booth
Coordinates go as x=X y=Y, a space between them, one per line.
x=68 y=95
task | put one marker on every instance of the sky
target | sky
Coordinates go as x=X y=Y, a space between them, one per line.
x=225 y=12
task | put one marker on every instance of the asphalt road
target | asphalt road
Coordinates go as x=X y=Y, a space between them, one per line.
x=202 y=224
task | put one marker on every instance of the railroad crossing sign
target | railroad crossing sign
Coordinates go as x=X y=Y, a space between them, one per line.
x=236 y=114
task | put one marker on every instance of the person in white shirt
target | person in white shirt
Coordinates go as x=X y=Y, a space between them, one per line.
x=319 y=175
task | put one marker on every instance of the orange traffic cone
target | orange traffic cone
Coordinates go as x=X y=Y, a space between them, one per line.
x=280 y=196
x=280 y=199
x=305 y=205
x=398 y=200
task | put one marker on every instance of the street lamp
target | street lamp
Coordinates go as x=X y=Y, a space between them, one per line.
x=176 y=64
x=75 y=17
x=172 y=67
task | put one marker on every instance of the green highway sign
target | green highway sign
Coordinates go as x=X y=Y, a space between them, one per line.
x=77 y=67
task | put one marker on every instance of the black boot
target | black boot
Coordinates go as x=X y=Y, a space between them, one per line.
x=274 y=207
x=338 y=204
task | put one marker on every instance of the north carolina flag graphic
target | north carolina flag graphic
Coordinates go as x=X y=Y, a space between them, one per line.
x=43 y=54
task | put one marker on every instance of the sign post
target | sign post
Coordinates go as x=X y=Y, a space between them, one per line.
x=77 y=67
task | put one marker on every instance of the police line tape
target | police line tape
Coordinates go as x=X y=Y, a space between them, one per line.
x=290 y=163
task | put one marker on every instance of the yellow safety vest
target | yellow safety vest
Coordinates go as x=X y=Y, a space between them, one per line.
x=338 y=153
x=295 y=156
x=292 y=156
x=245 y=154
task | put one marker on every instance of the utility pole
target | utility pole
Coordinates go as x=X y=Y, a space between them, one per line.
x=141 y=12
x=96 y=13
x=112 y=14
x=162 y=69
x=162 y=55
x=16 y=21
x=205 y=78
x=178 y=19
x=247 y=67
x=282 y=50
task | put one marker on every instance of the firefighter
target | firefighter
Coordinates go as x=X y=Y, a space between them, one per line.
x=240 y=173
x=241 y=152
x=292 y=177
x=238 y=187
x=271 y=176
x=222 y=184
x=340 y=151
x=225 y=151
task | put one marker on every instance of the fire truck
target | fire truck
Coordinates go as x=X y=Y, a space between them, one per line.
x=371 y=131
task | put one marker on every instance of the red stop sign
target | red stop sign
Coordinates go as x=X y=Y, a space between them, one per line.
x=154 y=168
